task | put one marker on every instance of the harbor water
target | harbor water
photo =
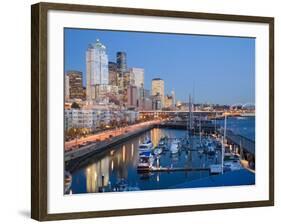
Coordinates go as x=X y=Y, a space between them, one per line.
x=244 y=126
x=120 y=164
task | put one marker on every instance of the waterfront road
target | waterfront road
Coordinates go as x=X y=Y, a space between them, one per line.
x=72 y=145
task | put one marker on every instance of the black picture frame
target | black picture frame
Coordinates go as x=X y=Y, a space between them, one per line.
x=39 y=121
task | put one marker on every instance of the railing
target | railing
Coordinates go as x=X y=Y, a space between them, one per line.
x=247 y=144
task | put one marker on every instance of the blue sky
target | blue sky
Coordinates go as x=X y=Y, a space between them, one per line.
x=215 y=69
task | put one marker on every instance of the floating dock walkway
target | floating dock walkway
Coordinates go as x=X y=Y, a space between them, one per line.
x=174 y=169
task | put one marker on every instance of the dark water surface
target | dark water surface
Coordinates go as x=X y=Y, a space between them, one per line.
x=121 y=163
x=244 y=126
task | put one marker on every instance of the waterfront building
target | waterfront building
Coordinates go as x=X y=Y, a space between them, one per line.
x=96 y=68
x=74 y=85
x=121 y=59
x=77 y=118
x=131 y=116
x=137 y=77
x=157 y=90
x=97 y=118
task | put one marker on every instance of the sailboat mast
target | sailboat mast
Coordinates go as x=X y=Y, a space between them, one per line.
x=200 y=129
x=222 y=153
x=224 y=131
x=216 y=123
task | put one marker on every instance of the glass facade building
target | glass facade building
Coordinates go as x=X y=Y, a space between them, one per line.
x=97 y=68
x=121 y=59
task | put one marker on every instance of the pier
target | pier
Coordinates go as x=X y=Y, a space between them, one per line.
x=208 y=127
x=248 y=145
x=175 y=169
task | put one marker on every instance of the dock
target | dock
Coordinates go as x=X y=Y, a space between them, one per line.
x=175 y=169
x=248 y=145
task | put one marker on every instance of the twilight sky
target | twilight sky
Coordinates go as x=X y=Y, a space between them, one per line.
x=215 y=69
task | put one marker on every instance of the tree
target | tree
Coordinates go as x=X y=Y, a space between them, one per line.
x=75 y=105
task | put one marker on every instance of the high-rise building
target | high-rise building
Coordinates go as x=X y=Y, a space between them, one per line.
x=112 y=70
x=75 y=86
x=124 y=81
x=137 y=77
x=121 y=59
x=97 y=68
x=157 y=89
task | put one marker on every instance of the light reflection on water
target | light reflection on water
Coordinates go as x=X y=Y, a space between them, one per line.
x=121 y=162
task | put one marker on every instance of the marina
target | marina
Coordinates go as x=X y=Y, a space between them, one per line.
x=131 y=125
x=157 y=158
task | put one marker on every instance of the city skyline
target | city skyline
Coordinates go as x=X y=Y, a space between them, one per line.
x=231 y=62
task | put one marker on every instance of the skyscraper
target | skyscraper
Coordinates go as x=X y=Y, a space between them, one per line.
x=97 y=69
x=112 y=70
x=137 y=76
x=157 y=89
x=121 y=59
x=74 y=84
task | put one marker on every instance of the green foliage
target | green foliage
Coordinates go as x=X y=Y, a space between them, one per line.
x=75 y=105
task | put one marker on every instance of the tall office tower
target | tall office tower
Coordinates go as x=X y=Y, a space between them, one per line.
x=121 y=59
x=75 y=84
x=137 y=76
x=157 y=89
x=173 y=98
x=97 y=69
x=112 y=72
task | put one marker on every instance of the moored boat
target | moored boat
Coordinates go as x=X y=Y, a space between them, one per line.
x=157 y=151
x=146 y=145
x=174 y=147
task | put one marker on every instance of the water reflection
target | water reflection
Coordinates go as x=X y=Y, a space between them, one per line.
x=120 y=163
x=97 y=175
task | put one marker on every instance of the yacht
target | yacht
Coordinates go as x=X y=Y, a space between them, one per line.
x=145 y=162
x=146 y=145
x=174 y=147
x=232 y=163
